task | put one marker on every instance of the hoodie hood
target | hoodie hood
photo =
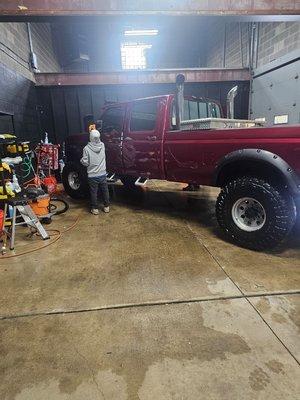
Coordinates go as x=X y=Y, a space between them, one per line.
x=94 y=136
x=95 y=147
x=95 y=143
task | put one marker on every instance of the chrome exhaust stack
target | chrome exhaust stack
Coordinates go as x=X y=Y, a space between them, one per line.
x=230 y=102
x=179 y=99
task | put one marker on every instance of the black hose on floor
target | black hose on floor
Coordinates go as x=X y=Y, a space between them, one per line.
x=59 y=208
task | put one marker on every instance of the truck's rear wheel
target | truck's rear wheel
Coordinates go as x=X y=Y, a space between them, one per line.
x=74 y=180
x=254 y=214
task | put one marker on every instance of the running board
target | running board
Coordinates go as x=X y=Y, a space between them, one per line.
x=110 y=177
x=141 y=181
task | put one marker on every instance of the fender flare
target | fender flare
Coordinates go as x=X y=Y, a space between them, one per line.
x=265 y=157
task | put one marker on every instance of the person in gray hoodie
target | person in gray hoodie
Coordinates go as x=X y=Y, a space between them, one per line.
x=94 y=159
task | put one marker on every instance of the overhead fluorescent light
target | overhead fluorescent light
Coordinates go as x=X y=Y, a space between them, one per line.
x=141 y=32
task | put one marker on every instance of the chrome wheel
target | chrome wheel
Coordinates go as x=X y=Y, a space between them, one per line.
x=248 y=214
x=73 y=180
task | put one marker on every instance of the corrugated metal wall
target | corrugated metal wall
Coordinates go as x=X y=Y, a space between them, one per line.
x=276 y=91
x=62 y=109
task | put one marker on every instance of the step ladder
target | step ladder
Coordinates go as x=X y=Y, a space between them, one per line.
x=30 y=219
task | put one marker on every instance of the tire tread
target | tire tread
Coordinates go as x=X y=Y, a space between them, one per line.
x=282 y=206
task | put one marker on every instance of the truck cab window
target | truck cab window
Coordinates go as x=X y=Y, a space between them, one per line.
x=193 y=109
x=202 y=105
x=143 y=116
x=112 y=119
x=186 y=110
x=196 y=109
x=214 y=110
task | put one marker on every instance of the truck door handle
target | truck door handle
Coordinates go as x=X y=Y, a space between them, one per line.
x=152 y=137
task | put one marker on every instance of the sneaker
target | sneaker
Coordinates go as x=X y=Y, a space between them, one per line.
x=95 y=211
x=106 y=209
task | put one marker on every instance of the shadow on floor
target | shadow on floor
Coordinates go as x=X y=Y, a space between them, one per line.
x=198 y=207
x=193 y=207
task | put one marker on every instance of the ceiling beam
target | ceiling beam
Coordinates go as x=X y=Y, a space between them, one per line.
x=142 y=77
x=51 y=8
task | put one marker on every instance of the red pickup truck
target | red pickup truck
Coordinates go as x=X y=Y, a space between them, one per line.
x=257 y=168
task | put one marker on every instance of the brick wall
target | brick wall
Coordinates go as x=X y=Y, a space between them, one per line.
x=43 y=47
x=18 y=93
x=215 y=45
x=227 y=45
x=277 y=39
x=274 y=39
x=237 y=45
x=14 y=48
x=18 y=98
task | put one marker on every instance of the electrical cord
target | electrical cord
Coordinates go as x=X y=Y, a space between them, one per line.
x=57 y=235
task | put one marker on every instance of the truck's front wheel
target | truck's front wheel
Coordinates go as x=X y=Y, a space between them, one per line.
x=254 y=214
x=74 y=180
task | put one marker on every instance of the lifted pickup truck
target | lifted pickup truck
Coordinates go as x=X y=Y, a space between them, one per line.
x=163 y=137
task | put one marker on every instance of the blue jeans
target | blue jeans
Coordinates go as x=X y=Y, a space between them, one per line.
x=98 y=184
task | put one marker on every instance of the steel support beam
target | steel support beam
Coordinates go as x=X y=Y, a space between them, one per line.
x=50 y=8
x=141 y=77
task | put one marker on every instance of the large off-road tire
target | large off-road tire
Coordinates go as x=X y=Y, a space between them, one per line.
x=74 y=179
x=254 y=214
x=128 y=181
x=297 y=224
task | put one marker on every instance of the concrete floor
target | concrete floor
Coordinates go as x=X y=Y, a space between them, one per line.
x=149 y=302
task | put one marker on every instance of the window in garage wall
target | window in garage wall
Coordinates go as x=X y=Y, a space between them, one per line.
x=133 y=55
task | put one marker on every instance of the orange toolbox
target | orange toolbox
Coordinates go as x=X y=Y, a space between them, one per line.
x=40 y=206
